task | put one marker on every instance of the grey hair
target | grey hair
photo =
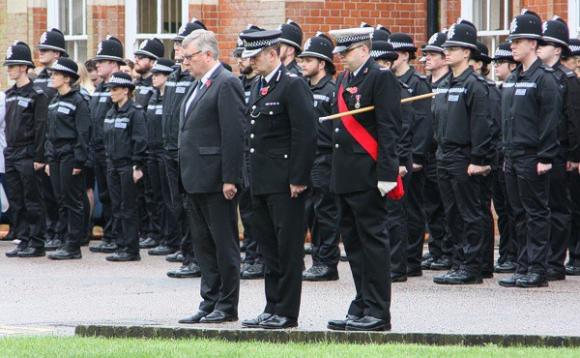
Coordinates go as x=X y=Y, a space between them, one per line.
x=204 y=40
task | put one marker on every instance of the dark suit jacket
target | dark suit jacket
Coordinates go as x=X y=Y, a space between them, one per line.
x=211 y=135
x=353 y=169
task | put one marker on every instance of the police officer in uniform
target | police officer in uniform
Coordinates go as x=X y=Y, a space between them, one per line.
x=154 y=113
x=253 y=264
x=26 y=110
x=282 y=149
x=364 y=169
x=124 y=138
x=178 y=242
x=318 y=69
x=506 y=263
x=422 y=134
x=573 y=264
x=51 y=48
x=384 y=55
x=555 y=38
x=108 y=60
x=464 y=154
x=290 y=46
x=439 y=255
x=67 y=152
x=531 y=110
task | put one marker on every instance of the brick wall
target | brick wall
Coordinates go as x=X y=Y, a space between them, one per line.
x=105 y=20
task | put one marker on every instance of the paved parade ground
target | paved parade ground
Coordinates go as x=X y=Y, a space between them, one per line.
x=39 y=296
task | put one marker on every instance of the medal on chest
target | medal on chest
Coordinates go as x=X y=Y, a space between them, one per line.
x=357 y=104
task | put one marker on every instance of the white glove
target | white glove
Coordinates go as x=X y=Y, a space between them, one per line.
x=386 y=186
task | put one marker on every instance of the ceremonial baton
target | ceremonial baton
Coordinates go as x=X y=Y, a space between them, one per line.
x=370 y=108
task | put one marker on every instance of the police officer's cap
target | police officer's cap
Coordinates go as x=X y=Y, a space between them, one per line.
x=461 y=35
x=110 y=49
x=575 y=47
x=381 y=33
x=402 y=42
x=163 y=65
x=240 y=43
x=188 y=28
x=482 y=54
x=528 y=25
x=319 y=46
x=435 y=43
x=291 y=35
x=152 y=48
x=66 y=66
x=120 y=79
x=503 y=53
x=462 y=21
x=383 y=50
x=555 y=31
x=53 y=39
x=347 y=38
x=255 y=42
x=19 y=54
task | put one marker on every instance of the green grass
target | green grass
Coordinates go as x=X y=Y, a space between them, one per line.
x=61 y=347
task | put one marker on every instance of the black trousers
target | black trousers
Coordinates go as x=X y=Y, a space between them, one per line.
x=366 y=241
x=253 y=253
x=325 y=226
x=528 y=194
x=505 y=216
x=279 y=224
x=561 y=214
x=488 y=234
x=398 y=234
x=23 y=192
x=439 y=240
x=464 y=212
x=214 y=228
x=173 y=201
x=414 y=204
x=574 y=241
x=49 y=203
x=123 y=193
x=153 y=194
x=70 y=192
x=109 y=226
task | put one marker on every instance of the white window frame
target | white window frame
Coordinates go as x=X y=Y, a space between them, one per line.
x=131 y=34
x=574 y=18
x=53 y=20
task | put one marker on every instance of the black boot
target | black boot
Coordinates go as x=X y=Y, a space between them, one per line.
x=185 y=271
x=252 y=271
x=320 y=273
x=66 y=253
x=32 y=252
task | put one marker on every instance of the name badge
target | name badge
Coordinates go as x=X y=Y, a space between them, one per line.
x=103 y=99
x=453 y=98
x=179 y=89
x=63 y=110
x=159 y=111
x=23 y=103
x=520 y=92
x=121 y=125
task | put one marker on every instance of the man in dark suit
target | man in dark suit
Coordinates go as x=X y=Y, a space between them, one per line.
x=282 y=147
x=210 y=158
x=365 y=167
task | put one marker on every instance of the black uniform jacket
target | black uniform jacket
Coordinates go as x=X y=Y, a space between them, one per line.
x=176 y=87
x=211 y=138
x=569 y=126
x=42 y=81
x=99 y=106
x=282 y=133
x=125 y=134
x=324 y=93
x=405 y=144
x=531 y=108
x=441 y=86
x=143 y=91
x=353 y=169
x=154 y=116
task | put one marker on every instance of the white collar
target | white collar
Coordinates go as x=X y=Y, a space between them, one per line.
x=271 y=74
x=209 y=73
x=355 y=73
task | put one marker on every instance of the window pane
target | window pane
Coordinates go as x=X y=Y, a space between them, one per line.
x=171 y=16
x=63 y=11
x=77 y=17
x=81 y=50
x=479 y=14
x=169 y=52
x=147 y=12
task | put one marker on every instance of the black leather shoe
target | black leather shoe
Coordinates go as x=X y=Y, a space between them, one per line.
x=278 y=322
x=252 y=272
x=14 y=252
x=195 y=318
x=573 y=270
x=441 y=264
x=510 y=281
x=218 y=317
x=162 y=250
x=414 y=272
x=505 y=267
x=426 y=256
x=532 y=280
x=177 y=256
x=104 y=248
x=396 y=277
x=463 y=277
x=123 y=257
x=426 y=263
x=340 y=324
x=32 y=252
x=554 y=275
x=255 y=322
x=52 y=244
x=320 y=273
x=65 y=254
x=185 y=271
x=148 y=243
x=368 y=323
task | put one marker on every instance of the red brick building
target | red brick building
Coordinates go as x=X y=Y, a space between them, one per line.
x=86 y=22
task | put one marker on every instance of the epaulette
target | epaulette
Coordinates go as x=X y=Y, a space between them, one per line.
x=547 y=68
x=421 y=76
x=491 y=82
x=384 y=69
x=480 y=77
x=404 y=85
x=568 y=72
x=137 y=105
x=38 y=90
x=291 y=74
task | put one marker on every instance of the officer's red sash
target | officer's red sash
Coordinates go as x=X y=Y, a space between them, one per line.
x=366 y=140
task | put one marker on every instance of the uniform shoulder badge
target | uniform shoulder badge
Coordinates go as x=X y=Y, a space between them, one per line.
x=291 y=74
x=420 y=75
x=548 y=68
x=38 y=90
x=568 y=72
x=137 y=105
